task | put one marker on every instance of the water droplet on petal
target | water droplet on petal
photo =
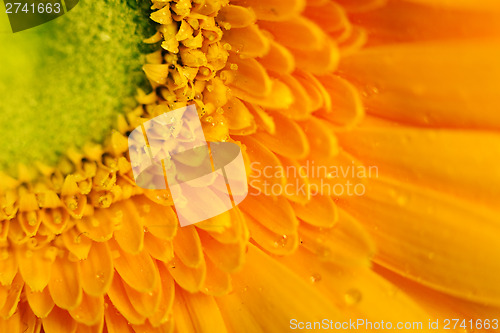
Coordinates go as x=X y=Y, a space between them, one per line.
x=352 y=297
x=315 y=278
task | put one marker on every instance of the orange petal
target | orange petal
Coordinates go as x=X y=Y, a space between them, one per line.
x=130 y=232
x=58 y=321
x=137 y=270
x=346 y=243
x=64 y=285
x=236 y=16
x=190 y=279
x=41 y=303
x=187 y=246
x=275 y=243
x=251 y=77
x=158 y=248
x=322 y=140
x=166 y=299
x=97 y=270
x=320 y=211
x=455 y=260
x=248 y=42
x=262 y=159
x=145 y=304
x=274 y=10
x=8 y=266
x=227 y=257
x=431 y=83
x=159 y=220
x=13 y=297
x=358 y=291
x=118 y=297
x=35 y=266
x=76 y=243
x=297 y=188
x=275 y=213
x=217 y=282
x=90 y=311
x=99 y=227
x=450 y=161
x=278 y=59
x=115 y=322
x=297 y=33
x=289 y=140
x=264 y=281
x=185 y=304
x=347 y=109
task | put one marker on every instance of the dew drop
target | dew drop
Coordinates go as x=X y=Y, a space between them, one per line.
x=100 y=277
x=315 y=278
x=352 y=297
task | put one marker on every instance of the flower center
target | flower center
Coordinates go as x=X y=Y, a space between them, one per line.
x=64 y=83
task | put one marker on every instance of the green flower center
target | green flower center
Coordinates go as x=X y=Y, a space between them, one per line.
x=64 y=83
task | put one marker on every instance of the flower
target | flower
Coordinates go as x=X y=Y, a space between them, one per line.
x=317 y=94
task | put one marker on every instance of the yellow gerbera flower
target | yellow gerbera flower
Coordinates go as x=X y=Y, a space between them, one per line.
x=369 y=129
